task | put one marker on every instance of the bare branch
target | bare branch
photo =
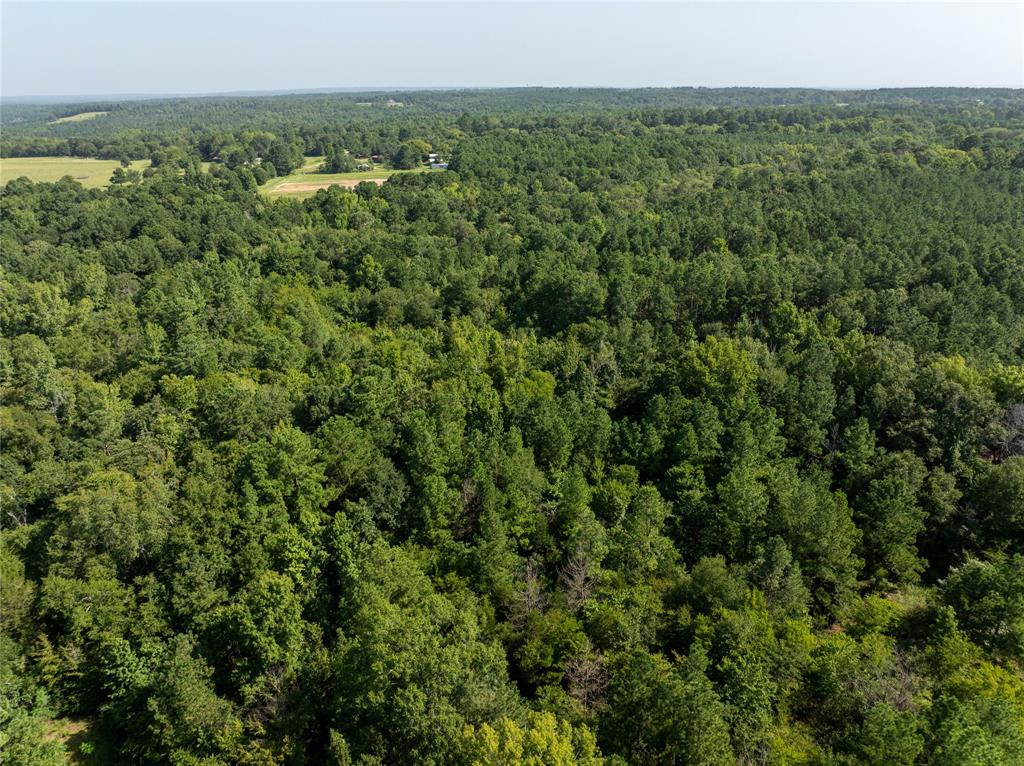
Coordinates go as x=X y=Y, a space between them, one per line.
x=576 y=580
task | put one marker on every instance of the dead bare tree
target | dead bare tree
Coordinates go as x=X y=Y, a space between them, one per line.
x=14 y=510
x=1012 y=423
x=273 y=699
x=528 y=599
x=586 y=678
x=893 y=682
x=576 y=580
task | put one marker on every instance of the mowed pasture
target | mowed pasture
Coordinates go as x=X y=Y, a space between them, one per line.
x=91 y=173
x=80 y=117
x=305 y=181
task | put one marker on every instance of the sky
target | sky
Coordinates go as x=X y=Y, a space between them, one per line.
x=147 y=47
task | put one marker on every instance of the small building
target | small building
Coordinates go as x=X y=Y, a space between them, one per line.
x=438 y=165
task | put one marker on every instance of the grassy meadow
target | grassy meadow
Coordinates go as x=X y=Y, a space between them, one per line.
x=80 y=117
x=306 y=181
x=93 y=174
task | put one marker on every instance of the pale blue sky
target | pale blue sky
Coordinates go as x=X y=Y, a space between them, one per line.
x=200 y=47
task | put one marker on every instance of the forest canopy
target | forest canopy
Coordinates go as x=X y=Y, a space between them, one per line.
x=663 y=427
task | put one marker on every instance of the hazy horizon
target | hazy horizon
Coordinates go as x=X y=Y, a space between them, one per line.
x=85 y=98
x=83 y=49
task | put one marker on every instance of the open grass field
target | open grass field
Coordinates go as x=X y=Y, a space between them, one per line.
x=305 y=181
x=93 y=174
x=310 y=164
x=80 y=117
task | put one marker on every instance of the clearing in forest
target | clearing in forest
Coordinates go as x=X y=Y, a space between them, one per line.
x=91 y=173
x=292 y=188
x=80 y=117
x=305 y=181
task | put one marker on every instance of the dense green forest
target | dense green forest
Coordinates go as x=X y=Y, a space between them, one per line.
x=661 y=428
